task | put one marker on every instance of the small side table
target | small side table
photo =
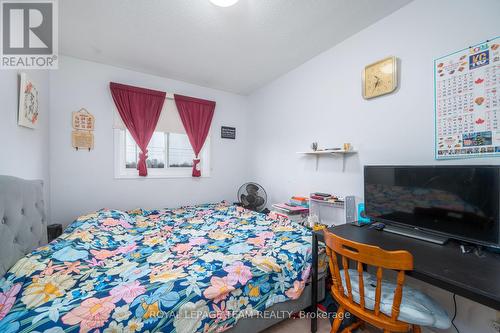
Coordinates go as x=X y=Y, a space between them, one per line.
x=53 y=231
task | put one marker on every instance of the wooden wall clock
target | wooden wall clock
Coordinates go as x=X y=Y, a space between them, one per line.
x=380 y=78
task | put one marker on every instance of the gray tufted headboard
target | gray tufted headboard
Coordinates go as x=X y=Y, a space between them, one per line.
x=23 y=225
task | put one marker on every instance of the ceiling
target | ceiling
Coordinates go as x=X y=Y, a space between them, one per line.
x=236 y=49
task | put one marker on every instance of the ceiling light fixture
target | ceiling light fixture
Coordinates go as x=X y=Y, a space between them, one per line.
x=224 y=3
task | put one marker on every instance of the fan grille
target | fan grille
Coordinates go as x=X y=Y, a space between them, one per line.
x=252 y=196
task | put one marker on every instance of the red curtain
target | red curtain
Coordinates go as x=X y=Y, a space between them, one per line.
x=139 y=109
x=196 y=115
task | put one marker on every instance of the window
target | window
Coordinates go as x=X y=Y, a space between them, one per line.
x=169 y=155
x=169 y=151
x=180 y=153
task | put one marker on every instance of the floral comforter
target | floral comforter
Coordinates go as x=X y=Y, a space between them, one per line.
x=192 y=269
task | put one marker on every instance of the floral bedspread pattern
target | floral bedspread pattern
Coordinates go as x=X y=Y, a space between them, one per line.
x=192 y=269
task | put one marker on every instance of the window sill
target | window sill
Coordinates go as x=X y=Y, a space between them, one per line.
x=149 y=176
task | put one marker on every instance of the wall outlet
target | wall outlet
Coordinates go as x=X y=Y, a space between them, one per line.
x=495 y=324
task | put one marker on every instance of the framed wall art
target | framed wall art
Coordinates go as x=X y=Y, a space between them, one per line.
x=28 y=102
x=227 y=132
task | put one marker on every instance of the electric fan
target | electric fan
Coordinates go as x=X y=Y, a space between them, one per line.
x=252 y=196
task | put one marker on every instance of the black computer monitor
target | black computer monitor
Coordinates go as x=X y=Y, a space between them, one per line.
x=460 y=202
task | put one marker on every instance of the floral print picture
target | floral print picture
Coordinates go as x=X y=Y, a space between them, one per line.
x=28 y=102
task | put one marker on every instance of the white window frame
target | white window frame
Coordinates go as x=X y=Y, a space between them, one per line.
x=121 y=172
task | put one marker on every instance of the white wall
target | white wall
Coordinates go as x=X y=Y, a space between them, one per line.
x=321 y=101
x=84 y=181
x=24 y=152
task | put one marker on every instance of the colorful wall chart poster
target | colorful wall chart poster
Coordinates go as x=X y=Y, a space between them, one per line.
x=467 y=102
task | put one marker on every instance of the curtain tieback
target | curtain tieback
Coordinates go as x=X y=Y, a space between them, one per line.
x=143 y=155
x=141 y=165
x=196 y=167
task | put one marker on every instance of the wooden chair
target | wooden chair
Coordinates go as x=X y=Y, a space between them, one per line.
x=343 y=250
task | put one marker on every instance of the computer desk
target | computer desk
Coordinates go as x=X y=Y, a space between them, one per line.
x=444 y=266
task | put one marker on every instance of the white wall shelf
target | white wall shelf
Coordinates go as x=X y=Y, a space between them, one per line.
x=319 y=153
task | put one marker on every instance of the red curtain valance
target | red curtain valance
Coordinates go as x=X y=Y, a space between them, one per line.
x=140 y=110
x=139 y=90
x=196 y=116
x=189 y=99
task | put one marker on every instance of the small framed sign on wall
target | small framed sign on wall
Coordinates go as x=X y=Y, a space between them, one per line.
x=228 y=132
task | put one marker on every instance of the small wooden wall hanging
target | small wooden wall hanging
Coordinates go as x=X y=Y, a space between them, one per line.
x=82 y=136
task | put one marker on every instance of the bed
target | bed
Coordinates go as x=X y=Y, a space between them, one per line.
x=207 y=268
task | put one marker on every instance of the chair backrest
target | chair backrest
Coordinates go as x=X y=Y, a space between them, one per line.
x=363 y=254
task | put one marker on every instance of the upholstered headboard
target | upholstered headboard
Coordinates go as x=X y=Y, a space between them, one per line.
x=23 y=224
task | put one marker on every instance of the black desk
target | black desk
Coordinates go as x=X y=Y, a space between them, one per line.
x=444 y=266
